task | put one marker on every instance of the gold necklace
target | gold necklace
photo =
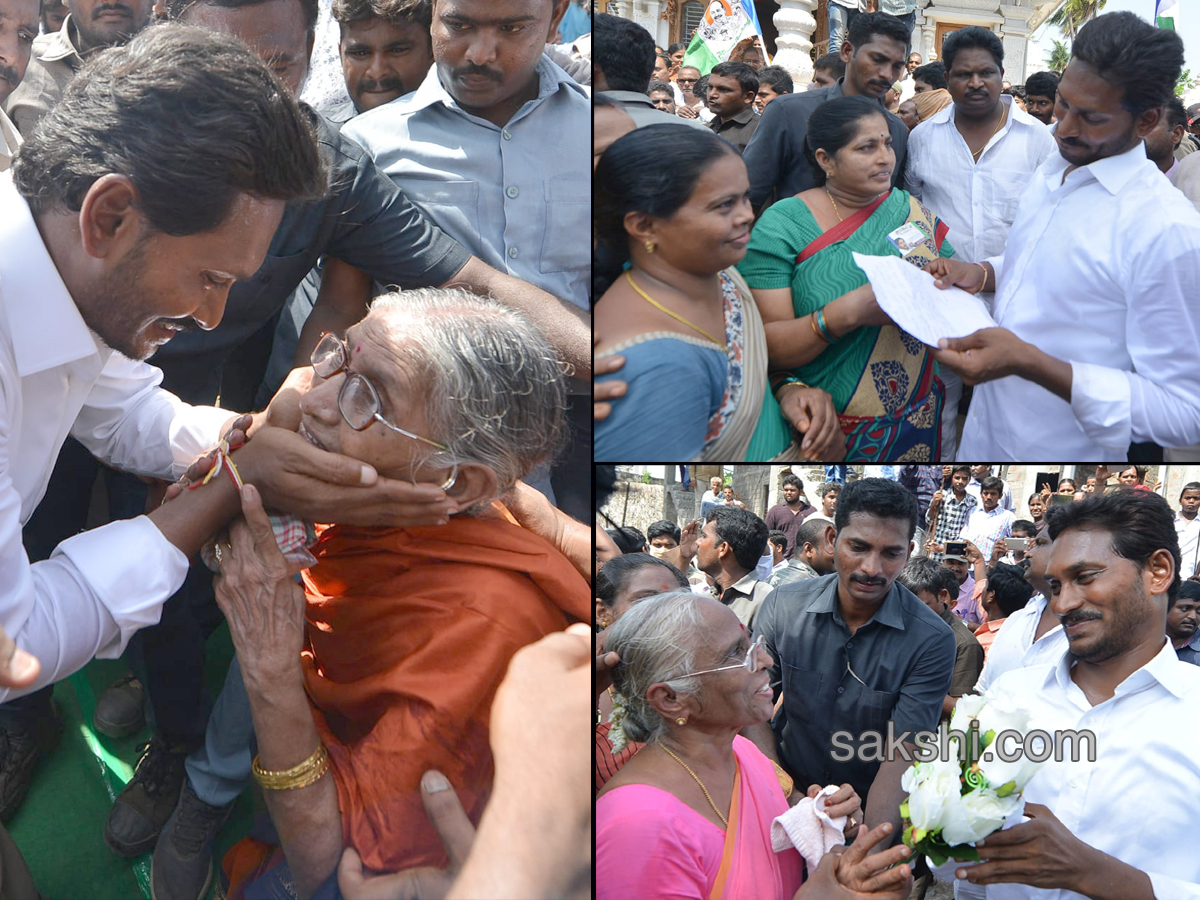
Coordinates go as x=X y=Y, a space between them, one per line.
x=1003 y=116
x=707 y=796
x=673 y=315
x=834 y=202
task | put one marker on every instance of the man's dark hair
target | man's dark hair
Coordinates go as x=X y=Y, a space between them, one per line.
x=661 y=527
x=972 y=38
x=1027 y=528
x=1133 y=55
x=991 y=483
x=624 y=51
x=1041 y=84
x=777 y=77
x=827 y=488
x=867 y=26
x=193 y=118
x=793 y=480
x=923 y=574
x=811 y=531
x=660 y=86
x=678 y=45
x=1189 y=589
x=700 y=88
x=176 y=9
x=877 y=497
x=933 y=74
x=833 y=125
x=1140 y=523
x=742 y=530
x=746 y=76
x=1190 y=486
x=628 y=539
x=1011 y=589
x=395 y=12
x=831 y=63
x=778 y=538
x=1176 y=113
x=616 y=572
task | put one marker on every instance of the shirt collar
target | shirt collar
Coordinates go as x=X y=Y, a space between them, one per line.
x=889 y=612
x=44 y=325
x=745 y=584
x=551 y=79
x=1164 y=668
x=1112 y=172
x=744 y=116
x=58 y=46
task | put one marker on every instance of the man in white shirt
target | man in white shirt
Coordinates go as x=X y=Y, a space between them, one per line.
x=1114 y=570
x=908 y=87
x=90 y=283
x=714 y=496
x=1096 y=299
x=1187 y=527
x=970 y=163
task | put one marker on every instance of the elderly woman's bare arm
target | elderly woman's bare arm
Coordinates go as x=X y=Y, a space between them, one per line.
x=265 y=611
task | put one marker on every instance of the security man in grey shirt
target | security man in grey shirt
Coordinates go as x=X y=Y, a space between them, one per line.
x=862 y=663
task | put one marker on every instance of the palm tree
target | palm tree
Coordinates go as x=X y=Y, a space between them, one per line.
x=1074 y=14
x=1058 y=58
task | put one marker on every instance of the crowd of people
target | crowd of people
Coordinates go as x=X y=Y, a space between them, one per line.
x=360 y=439
x=723 y=260
x=733 y=659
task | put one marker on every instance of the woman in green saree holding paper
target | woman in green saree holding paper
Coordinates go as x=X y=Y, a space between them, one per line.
x=819 y=312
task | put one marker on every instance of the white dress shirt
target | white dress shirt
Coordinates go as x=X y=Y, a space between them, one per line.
x=58 y=378
x=518 y=196
x=10 y=140
x=977 y=201
x=1014 y=647
x=1136 y=801
x=1189 y=544
x=1100 y=272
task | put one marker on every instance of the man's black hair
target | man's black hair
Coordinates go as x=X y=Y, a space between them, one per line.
x=933 y=74
x=1176 y=113
x=956 y=469
x=742 y=530
x=972 y=38
x=831 y=63
x=176 y=9
x=828 y=488
x=1190 y=486
x=660 y=86
x=992 y=483
x=661 y=527
x=1041 y=84
x=777 y=77
x=615 y=573
x=877 y=497
x=923 y=574
x=811 y=531
x=1140 y=523
x=746 y=77
x=628 y=539
x=1028 y=529
x=778 y=538
x=1144 y=62
x=867 y=26
x=1011 y=589
x=624 y=51
x=793 y=480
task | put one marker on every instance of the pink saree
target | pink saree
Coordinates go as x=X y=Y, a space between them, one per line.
x=649 y=844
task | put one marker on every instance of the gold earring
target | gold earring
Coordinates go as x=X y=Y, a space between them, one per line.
x=681 y=721
x=650 y=246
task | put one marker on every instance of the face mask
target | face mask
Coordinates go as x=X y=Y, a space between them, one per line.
x=658 y=552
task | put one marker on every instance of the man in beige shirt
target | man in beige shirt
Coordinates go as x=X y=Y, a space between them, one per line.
x=91 y=25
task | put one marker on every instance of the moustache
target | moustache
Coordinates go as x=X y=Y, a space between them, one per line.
x=183 y=326
x=111 y=7
x=1077 y=617
x=482 y=71
x=869 y=582
x=386 y=84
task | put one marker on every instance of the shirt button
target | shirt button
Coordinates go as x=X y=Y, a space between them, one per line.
x=506 y=134
x=849 y=644
x=512 y=191
x=841 y=690
x=512 y=252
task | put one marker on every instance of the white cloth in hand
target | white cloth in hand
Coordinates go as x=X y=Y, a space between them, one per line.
x=808 y=828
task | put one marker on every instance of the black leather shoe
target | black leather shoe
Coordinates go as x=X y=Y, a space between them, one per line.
x=121 y=709
x=21 y=749
x=181 y=868
x=143 y=807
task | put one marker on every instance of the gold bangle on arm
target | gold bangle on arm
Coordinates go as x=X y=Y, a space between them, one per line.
x=298 y=776
x=985 y=277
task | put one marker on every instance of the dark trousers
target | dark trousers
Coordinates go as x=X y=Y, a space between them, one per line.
x=571 y=476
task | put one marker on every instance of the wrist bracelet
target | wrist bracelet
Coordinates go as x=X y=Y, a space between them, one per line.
x=223 y=461
x=812 y=320
x=824 y=326
x=791 y=379
x=300 y=775
x=985 y=275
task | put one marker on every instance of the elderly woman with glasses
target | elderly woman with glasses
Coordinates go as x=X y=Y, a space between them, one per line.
x=690 y=815
x=385 y=664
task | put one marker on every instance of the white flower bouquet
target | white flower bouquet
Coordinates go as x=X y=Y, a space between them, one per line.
x=968 y=791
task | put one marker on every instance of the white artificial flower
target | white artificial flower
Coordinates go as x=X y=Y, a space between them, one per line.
x=931 y=786
x=1004 y=712
x=976 y=815
x=966 y=709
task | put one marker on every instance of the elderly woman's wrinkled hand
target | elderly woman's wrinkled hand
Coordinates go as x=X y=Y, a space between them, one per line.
x=261 y=603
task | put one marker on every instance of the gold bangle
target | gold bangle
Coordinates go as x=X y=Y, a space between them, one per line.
x=985 y=275
x=298 y=776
